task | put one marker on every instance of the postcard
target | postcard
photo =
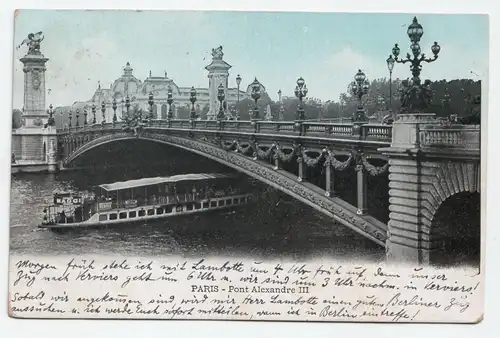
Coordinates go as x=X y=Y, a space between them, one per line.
x=262 y=166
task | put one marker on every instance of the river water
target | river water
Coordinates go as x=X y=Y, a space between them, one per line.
x=276 y=226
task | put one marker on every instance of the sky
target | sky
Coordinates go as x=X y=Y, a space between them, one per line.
x=326 y=49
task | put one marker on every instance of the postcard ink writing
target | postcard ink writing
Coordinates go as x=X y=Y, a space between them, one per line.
x=186 y=288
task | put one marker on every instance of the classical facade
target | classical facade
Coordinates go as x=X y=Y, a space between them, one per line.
x=138 y=91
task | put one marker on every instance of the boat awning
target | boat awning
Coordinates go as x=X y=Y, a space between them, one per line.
x=160 y=180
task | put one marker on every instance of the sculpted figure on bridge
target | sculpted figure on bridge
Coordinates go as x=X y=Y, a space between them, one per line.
x=135 y=122
x=217 y=53
x=416 y=97
x=33 y=42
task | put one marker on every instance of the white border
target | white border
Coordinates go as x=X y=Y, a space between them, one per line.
x=124 y=329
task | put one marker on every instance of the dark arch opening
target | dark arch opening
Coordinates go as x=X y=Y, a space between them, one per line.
x=456 y=231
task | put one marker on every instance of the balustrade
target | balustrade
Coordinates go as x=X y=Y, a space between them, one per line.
x=454 y=136
x=304 y=129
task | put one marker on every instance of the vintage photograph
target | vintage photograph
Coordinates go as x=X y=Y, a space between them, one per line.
x=353 y=137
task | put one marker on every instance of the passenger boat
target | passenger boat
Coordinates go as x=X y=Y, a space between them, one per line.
x=146 y=199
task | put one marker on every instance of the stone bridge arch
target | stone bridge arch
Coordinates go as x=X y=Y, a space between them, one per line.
x=334 y=207
x=417 y=193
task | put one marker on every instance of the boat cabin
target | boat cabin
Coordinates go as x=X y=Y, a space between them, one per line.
x=164 y=190
x=149 y=198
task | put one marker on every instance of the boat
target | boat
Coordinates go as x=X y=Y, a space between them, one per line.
x=146 y=199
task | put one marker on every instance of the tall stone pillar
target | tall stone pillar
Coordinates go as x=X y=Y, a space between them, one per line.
x=218 y=73
x=409 y=224
x=36 y=139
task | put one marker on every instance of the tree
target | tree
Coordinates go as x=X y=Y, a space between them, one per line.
x=461 y=91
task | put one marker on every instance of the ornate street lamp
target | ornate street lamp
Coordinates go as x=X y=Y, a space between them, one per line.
x=220 y=97
x=390 y=65
x=85 y=116
x=127 y=105
x=417 y=97
x=77 y=118
x=103 y=111
x=359 y=88
x=300 y=93
x=94 y=121
x=192 y=98
x=238 y=82
x=255 y=97
x=115 y=119
x=151 y=102
x=281 y=114
x=51 y=120
x=70 y=117
x=62 y=119
x=170 y=100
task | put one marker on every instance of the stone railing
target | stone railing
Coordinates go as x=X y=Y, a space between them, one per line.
x=454 y=136
x=298 y=128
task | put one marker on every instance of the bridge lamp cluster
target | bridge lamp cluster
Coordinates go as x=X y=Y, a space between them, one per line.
x=415 y=33
x=220 y=97
x=255 y=96
x=301 y=92
x=360 y=87
x=238 y=82
x=151 y=102
x=127 y=104
x=94 y=109
x=192 y=98
x=170 y=100
x=77 y=118
x=114 y=106
x=103 y=111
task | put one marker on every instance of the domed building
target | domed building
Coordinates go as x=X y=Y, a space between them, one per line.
x=127 y=85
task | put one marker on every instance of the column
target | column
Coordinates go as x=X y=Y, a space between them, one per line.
x=330 y=181
x=362 y=189
x=302 y=168
x=277 y=163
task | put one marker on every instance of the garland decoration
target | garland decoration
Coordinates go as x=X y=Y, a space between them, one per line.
x=227 y=146
x=373 y=170
x=310 y=161
x=336 y=164
x=244 y=150
x=264 y=154
x=280 y=154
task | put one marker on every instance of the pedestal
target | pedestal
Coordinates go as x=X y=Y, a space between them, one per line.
x=34 y=114
x=34 y=145
x=409 y=222
x=34 y=149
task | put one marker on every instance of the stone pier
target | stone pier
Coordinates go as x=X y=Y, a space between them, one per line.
x=429 y=163
x=34 y=145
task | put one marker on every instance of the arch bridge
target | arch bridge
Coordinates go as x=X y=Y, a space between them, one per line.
x=426 y=164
